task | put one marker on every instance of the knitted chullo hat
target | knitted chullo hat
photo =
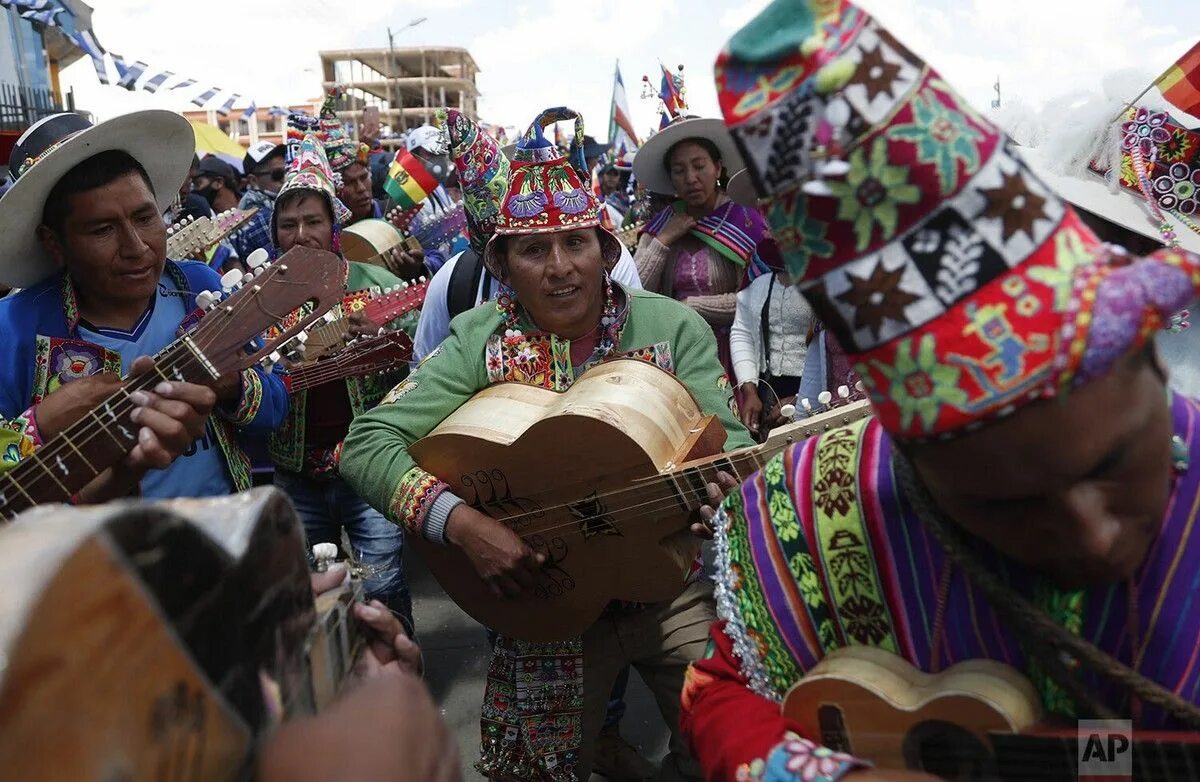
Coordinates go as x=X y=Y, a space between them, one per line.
x=959 y=284
x=482 y=170
x=546 y=193
x=341 y=148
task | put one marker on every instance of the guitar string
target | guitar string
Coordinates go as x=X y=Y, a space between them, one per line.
x=753 y=454
x=662 y=503
x=318 y=374
x=340 y=325
x=119 y=402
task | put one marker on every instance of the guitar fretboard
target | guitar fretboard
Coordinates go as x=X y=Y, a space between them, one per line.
x=74 y=458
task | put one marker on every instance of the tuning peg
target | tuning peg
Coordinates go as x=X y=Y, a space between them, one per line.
x=420 y=281
x=329 y=317
x=206 y=299
x=788 y=412
x=302 y=338
x=323 y=556
x=843 y=392
x=231 y=279
x=258 y=258
x=859 y=387
x=824 y=398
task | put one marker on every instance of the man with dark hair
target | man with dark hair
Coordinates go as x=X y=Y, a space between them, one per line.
x=217 y=183
x=264 y=167
x=83 y=227
x=307 y=448
x=1025 y=494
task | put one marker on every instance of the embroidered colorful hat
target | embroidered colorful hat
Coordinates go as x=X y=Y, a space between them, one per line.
x=161 y=141
x=310 y=170
x=961 y=286
x=342 y=149
x=546 y=193
x=650 y=163
x=1141 y=172
x=482 y=170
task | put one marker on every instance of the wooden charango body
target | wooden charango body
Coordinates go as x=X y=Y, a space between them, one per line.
x=133 y=636
x=867 y=702
x=366 y=240
x=547 y=464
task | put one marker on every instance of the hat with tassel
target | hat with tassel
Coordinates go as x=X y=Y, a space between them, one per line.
x=960 y=285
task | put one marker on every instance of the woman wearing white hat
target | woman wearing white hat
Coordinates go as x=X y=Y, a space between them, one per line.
x=698 y=249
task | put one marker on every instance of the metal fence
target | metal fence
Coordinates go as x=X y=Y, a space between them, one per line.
x=21 y=107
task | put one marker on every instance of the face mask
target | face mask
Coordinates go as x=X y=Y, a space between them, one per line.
x=209 y=193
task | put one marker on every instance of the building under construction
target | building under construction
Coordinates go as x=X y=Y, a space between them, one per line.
x=406 y=85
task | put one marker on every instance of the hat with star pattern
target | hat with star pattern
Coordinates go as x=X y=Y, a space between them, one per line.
x=960 y=285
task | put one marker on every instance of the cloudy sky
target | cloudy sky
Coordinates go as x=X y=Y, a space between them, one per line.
x=535 y=55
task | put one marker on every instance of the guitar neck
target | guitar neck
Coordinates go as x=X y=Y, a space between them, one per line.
x=308 y=376
x=688 y=481
x=71 y=460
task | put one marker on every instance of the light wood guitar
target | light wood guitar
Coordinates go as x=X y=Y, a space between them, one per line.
x=138 y=636
x=602 y=479
x=192 y=237
x=219 y=344
x=977 y=720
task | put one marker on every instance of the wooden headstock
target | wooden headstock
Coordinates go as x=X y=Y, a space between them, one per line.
x=191 y=237
x=260 y=299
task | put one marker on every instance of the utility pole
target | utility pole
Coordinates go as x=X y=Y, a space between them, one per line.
x=392 y=71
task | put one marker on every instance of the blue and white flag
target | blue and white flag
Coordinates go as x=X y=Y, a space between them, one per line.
x=206 y=96
x=228 y=105
x=156 y=83
x=43 y=17
x=132 y=74
x=248 y=114
x=183 y=85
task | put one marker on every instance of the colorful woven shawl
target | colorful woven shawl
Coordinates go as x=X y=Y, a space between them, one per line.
x=731 y=230
x=822 y=550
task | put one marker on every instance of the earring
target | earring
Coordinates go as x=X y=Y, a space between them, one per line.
x=1181 y=457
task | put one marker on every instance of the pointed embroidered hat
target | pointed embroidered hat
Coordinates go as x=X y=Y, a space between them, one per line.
x=546 y=193
x=309 y=170
x=960 y=285
x=342 y=149
x=482 y=170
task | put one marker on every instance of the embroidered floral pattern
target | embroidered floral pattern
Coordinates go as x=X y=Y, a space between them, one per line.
x=800 y=236
x=873 y=193
x=572 y=201
x=399 y=392
x=796 y=759
x=942 y=138
x=527 y=204
x=835 y=492
x=920 y=384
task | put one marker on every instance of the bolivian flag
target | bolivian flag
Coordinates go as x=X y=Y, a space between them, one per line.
x=1181 y=83
x=408 y=182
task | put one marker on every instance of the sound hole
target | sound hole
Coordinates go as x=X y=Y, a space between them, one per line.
x=949 y=752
